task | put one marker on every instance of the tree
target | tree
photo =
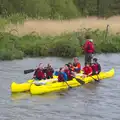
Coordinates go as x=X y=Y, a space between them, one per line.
x=115 y=6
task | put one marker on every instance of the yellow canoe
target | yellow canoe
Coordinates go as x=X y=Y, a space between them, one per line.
x=62 y=85
x=23 y=87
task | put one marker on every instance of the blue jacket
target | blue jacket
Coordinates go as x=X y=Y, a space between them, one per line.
x=64 y=75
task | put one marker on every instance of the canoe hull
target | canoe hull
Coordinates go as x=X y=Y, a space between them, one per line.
x=35 y=90
x=23 y=87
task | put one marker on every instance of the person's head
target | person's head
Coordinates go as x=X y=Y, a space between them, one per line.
x=70 y=64
x=87 y=64
x=61 y=69
x=94 y=60
x=87 y=37
x=66 y=66
x=49 y=65
x=75 y=60
x=40 y=66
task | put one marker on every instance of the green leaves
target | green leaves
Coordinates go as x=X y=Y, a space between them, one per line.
x=65 y=45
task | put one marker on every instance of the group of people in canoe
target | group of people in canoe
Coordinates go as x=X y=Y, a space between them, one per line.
x=68 y=71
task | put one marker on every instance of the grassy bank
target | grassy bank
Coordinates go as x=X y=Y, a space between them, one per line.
x=65 y=45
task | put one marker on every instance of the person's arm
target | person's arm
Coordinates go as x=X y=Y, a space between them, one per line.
x=34 y=75
x=85 y=45
x=72 y=73
x=65 y=76
x=83 y=70
x=56 y=73
x=90 y=72
x=99 y=68
x=52 y=70
x=79 y=66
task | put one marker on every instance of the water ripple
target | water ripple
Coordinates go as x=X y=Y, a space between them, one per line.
x=90 y=102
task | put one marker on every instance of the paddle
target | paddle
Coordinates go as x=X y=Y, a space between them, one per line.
x=29 y=71
x=79 y=80
x=97 y=80
x=69 y=87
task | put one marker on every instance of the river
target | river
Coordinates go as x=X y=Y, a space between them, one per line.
x=89 y=102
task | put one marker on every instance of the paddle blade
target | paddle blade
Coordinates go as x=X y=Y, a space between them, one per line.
x=69 y=87
x=80 y=81
x=29 y=71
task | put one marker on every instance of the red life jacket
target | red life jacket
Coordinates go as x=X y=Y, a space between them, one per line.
x=49 y=73
x=89 y=47
x=60 y=77
x=39 y=74
x=87 y=70
x=95 y=68
x=68 y=74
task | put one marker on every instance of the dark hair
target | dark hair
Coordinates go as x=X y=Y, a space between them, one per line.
x=87 y=63
x=60 y=68
x=87 y=37
x=67 y=65
x=95 y=59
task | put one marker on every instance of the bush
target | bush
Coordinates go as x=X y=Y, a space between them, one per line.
x=65 y=45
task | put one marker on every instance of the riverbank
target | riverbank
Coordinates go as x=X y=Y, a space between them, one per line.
x=64 y=45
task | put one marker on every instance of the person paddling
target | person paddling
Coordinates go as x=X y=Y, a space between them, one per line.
x=77 y=65
x=70 y=66
x=96 y=67
x=62 y=76
x=69 y=73
x=49 y=71
x=39 y=73
x=88 y=48
x=87 y=70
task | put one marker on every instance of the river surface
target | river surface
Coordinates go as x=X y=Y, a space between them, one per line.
x=89 y=102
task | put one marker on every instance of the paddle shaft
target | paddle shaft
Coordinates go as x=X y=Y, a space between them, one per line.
x=97 y=80
x=79 y=80
x=29 y=71
x=68 y=84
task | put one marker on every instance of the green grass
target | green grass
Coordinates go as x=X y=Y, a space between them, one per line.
x=65 y=45
x=12 y=19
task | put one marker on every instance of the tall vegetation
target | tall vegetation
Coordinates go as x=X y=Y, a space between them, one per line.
x=103 y=8
x=65 y=45
x=62 y=9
